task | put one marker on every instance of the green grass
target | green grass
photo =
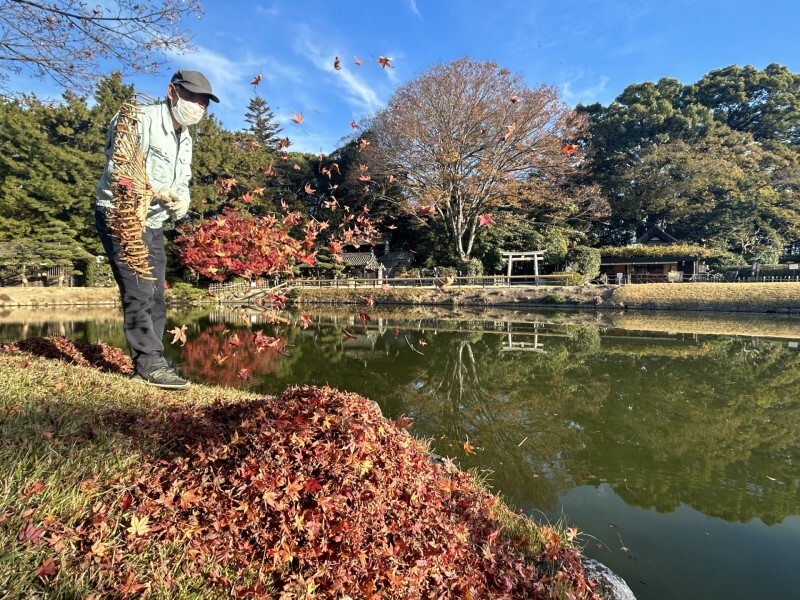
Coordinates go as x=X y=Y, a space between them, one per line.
x=67 y=429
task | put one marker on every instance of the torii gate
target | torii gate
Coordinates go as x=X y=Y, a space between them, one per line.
x=534 y=255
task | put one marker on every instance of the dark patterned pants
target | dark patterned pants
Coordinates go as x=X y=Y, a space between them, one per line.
x=142 y=301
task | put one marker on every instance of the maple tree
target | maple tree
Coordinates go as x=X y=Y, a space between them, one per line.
x=69 y=41
x=467 y=136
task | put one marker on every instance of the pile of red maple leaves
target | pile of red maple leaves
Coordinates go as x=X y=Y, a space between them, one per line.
x=311 y=494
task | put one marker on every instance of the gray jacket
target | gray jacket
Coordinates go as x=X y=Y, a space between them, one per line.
x=168 y=159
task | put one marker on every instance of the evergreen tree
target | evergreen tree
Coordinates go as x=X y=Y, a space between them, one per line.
x=262 y=122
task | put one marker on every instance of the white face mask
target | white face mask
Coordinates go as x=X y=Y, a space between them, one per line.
x=187 y=113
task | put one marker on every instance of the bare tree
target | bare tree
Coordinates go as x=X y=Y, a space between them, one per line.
x=467 y=136
x=66 y=41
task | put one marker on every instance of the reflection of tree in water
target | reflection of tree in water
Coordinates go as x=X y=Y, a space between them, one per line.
x=713 y=427
x=472 y=390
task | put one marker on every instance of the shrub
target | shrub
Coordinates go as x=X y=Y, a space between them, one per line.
x=472 y=268
x=585 y=261
x=554 y=298
x=184 y=293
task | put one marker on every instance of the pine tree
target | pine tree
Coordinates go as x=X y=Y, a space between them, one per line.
x=262 y=122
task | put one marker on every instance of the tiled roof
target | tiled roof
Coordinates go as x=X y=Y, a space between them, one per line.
x=360 y=259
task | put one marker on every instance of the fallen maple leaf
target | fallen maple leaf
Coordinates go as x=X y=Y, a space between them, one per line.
x=46 y=569
x=244 y=373
x=179 y=335
x=422 y=342
x=403 y=422
x=139 y=526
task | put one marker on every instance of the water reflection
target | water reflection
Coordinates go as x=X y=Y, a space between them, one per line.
x=635 y=429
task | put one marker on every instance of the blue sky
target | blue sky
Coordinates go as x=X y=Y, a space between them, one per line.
x=589 y=50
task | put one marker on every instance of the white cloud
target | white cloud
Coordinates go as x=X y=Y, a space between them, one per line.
x=412 y=4
x=596 y=92
x=357 y=92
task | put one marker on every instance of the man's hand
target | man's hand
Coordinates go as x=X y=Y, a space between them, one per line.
x=175 y=206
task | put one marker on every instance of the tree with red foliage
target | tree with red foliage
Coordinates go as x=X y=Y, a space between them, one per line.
x=248 y=246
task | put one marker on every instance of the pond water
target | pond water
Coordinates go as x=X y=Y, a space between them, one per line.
x=677 y=454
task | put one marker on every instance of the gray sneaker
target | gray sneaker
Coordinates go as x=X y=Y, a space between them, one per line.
x=163 y=377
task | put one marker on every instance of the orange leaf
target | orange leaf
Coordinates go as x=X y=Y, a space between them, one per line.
x=384 y=61
x=256 y=80
x=309 y=189
x=569 y=149
x=179 y=335
x=297 y=117
x=469 y=448
x=359 y=62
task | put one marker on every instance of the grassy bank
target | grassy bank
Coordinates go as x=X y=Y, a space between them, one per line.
x=55 y=296
x=113 y=489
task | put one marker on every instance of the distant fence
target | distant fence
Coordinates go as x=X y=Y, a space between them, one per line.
x=705 y=278
x=482 y=281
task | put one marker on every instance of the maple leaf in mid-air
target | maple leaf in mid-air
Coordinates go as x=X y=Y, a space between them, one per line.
x=297 y=117
x=256 y=80
x=486 y=220
x=354 y=125
x=247 y=198
x=336 y=63
x=384 y=61
x=179 y=334
x=309 y=189
x=362 y=144
x=569 y=149
x=359 y=62
x=244 y=373
x=258 y=191
x=510 y=129
x=513 y=98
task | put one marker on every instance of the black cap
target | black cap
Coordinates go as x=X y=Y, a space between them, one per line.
x=195 y=82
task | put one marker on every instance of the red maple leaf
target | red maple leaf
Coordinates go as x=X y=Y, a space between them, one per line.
x=486 y=220
x=46 y=569
x=256 y=80
x=384 y=61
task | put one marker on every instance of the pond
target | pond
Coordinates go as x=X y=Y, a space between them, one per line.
x=676 y=454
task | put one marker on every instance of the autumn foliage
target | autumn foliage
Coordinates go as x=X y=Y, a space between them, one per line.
x=247 y=246
x=311 y=494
